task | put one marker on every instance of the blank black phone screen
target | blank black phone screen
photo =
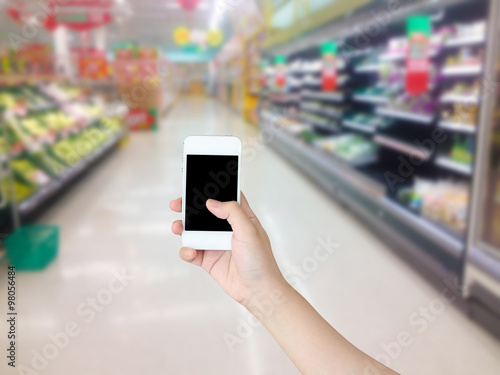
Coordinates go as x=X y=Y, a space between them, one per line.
x=209 y=177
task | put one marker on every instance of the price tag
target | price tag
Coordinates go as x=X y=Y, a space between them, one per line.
x=418 y=61
x=329 y=73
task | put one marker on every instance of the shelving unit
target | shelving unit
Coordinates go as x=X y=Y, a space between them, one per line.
x=462 y=70
x=328 y=96
x=356 y=126
x=447 y=163
x=458 y=127
x=405 y=115
x=402 y=126
x=52 y=140
x=402 y=146
x=373 y=99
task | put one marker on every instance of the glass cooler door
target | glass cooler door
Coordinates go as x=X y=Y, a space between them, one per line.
x=482 y=263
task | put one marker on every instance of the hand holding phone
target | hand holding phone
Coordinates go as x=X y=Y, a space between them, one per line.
x=250 y=268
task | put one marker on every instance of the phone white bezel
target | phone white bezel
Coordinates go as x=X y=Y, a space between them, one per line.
x=208 y=145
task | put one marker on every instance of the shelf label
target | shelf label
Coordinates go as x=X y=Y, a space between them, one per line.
x=280 y=79
x=418 y=62
x=329 y=73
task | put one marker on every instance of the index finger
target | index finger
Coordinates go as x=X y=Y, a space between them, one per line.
x=176 y=205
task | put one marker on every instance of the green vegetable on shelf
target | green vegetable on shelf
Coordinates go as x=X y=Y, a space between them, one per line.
x=49 y=164
x=67 y=151
x=28 y=173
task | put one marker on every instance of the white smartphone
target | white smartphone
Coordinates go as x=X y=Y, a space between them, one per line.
x=211 y=170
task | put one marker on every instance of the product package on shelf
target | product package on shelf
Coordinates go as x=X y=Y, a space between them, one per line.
x=443 y=202
x=352 y=148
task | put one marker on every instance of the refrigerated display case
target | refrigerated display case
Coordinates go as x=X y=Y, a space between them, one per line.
x=402 y=162
x=482 y=266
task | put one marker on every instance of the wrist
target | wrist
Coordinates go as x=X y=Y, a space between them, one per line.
x=264 y=302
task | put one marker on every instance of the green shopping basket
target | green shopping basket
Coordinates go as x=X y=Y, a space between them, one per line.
x=32 y=247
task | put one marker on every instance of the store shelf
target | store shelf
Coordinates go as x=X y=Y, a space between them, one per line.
x=401 y=146
x=405 y=115
x=46 y=192
x=311 y=108
x=454 y=166
x=451 y=243
x=332 y=114
x=328 y=96
x=330 y=163
x=471 y=70
x=354 y=163
x=393 y=56
x=366 y=197
x=465 y=41
x=326 y=127
x=39 y=197
x=461 y=99
x=374 y=99
x=369 y=68
x=401 y=56
x=320 y=111
x=356 y=126
x=456 y=126
x=283 y=97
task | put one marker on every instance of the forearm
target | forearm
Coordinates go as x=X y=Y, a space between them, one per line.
x=312 y=344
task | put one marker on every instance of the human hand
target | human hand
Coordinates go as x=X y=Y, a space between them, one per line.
x=250 y=268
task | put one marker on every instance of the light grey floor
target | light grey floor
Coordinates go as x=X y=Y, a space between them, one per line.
x=173 y=319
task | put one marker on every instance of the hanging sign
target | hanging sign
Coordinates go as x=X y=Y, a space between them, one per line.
x=418 y=61
x=188 y=5
x=329 y=73
x=263 y=74
x=280 y=68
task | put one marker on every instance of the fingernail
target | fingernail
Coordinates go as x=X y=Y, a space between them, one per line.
x=213 y=203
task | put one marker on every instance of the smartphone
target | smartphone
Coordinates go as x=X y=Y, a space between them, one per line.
x=211 y=170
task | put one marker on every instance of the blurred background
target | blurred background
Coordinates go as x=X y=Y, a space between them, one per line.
x=371 y=154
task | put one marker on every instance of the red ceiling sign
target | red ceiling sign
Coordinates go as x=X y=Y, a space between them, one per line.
x=188 y=5
x=78 y=15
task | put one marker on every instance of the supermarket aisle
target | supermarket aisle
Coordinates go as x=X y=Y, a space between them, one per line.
x=171 y=318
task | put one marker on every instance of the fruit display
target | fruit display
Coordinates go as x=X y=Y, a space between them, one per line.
x=23 y=96
x=48 y=163
x=29 y=173
x=62 y=93
x=22 y=191
x=51 y=131
x=57 y=121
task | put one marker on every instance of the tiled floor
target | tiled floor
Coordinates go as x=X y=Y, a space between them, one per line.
x=171 y=318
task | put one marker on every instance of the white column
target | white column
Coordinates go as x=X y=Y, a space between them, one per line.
x=62 y=52
x=100 y=38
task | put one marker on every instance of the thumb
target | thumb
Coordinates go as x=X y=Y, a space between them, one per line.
x=234 y=214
